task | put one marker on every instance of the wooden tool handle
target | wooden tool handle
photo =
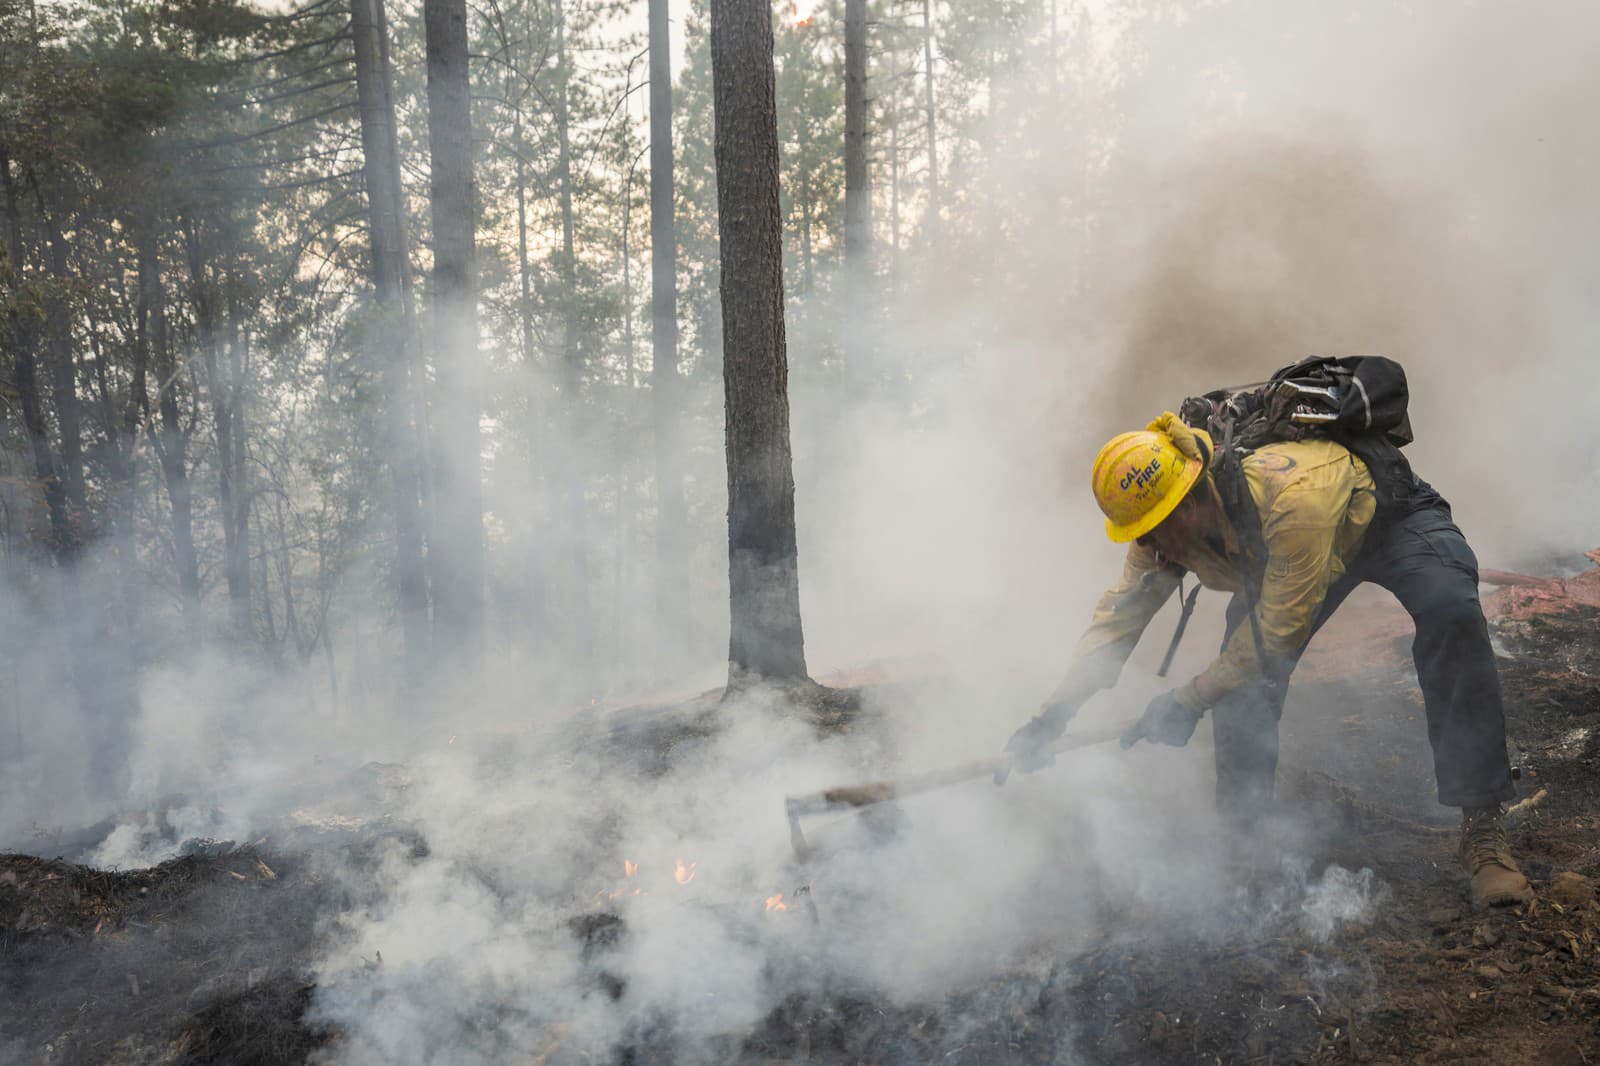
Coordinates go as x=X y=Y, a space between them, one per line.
x=865 y=795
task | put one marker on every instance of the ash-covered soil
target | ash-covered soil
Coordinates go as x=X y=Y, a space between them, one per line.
x=170 y=965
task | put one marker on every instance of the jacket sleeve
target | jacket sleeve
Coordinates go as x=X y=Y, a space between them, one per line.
x=1120 y=618
x=1299 y=533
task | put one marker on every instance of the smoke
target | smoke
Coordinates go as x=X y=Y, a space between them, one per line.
x=1237 y=190
x=482 y=947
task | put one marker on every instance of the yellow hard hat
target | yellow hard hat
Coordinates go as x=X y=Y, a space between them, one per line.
x=1139 y=479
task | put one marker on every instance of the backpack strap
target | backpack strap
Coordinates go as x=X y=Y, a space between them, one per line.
x=1240 y=511
x=1183 y=624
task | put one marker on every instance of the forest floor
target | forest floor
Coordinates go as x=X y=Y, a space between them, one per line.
x=166 y=964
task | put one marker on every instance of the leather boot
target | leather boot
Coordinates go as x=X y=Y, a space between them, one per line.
x=1486 y=856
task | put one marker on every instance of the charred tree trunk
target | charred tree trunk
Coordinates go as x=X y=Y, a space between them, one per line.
x=456 y=551
x=396 y=312
x=857 y=188
x=581 y=612
x=766 y=641
x=672 y=549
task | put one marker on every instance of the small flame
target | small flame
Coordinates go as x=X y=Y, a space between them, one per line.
x=629 y=867
x=683 y=872
x=776 y=903
x=451 y=741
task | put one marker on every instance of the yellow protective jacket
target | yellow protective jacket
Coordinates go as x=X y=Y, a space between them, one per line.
x=1315 y=500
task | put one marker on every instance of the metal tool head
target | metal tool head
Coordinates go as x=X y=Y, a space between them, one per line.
x=797 y=839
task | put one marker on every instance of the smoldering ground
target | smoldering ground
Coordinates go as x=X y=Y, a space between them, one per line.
x=502 y=941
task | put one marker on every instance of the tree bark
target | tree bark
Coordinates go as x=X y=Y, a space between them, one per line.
x=396 y=312
x=765 y=641
x=456 y=551
x=672 y=570
x=857 y=187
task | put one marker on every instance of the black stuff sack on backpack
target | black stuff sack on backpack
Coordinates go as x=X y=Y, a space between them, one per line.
x=1323 y=396
x=1359 y=401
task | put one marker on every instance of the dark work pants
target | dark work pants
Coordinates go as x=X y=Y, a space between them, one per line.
x=1425 y=561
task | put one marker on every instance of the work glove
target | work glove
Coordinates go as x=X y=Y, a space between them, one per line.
x=1193 y=443
x=1029 y=747
x=1169 y=719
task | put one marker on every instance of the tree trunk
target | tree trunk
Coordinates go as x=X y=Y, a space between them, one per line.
x=933 y=138
x=766 y=641
x=620 y=576
x=672 y=569
x=894 y=188
x=30 y=399
x=535 y=607
x=237 y=365
x=63 y=370
x=581 y=615
x=269 y=621
x=456 y=552
x=857 y=187
x=223 y=388
x=396 y=312
x=173 y=451
x=121 y=430
x=167 y=429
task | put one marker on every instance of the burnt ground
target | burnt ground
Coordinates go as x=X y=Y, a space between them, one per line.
x=167 y=965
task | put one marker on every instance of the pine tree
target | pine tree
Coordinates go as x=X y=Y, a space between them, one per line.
x=766 y=642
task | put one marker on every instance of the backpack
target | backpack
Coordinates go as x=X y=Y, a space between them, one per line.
x=1358 y=401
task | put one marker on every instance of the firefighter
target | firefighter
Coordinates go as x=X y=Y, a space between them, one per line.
x=1316 y=504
